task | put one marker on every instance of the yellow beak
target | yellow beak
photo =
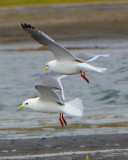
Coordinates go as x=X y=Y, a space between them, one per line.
x=21 y=106
x=46 y=68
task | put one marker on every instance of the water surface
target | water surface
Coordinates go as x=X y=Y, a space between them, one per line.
x=105 y=99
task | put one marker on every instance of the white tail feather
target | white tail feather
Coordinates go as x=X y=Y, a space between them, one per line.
x=100 y=70
x=85 y=67
x=74 y=107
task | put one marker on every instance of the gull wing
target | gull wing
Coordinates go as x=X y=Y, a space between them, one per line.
x=52 y=80
x=97 y=56
x=86 y=57
x=48 y=95
x=59 y=51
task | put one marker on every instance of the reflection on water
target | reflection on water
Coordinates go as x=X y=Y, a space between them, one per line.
x=105 y=98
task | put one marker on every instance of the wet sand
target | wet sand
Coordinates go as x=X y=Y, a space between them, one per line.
x=101 y=147
x=66 y=21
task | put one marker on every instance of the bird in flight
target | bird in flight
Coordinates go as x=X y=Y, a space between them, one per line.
x=65 y=63
x=51 y=98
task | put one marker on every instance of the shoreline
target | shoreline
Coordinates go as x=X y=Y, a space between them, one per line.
x=66 y=22
x=98 y=146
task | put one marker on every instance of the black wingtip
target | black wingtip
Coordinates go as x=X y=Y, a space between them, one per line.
x=27 y=26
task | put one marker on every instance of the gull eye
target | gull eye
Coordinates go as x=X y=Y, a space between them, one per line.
x=47 y=65
x=26 y=103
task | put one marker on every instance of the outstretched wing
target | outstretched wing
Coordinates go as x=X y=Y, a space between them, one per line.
x=59 y=51
x=86 y=57
x=51 y=79
x=47 y=94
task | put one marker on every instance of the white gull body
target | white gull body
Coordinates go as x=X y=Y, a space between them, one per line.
x=50 y=102
x=72 y=67
x=66 y=63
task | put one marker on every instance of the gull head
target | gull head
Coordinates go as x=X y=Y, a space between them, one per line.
x=29 y=103
x=50 y=65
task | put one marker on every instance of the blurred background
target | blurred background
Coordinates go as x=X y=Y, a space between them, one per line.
x=64 y=19
x=86 y=26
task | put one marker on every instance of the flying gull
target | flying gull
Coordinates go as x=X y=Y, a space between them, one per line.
x=66 y=63
x=52 y=99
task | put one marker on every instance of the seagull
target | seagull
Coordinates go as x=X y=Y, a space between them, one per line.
x=66 y=63
x=51 y=98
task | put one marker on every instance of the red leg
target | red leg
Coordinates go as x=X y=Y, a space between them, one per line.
x=64 y=119
x=61 y=121
x=83 y=76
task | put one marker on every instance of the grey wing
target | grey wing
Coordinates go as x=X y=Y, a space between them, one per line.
x=47 y=94
x=59 y=51
x=49 y=79
x=89 y=57
x=52 y=80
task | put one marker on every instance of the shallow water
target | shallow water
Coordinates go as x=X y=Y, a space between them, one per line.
x=105 y=98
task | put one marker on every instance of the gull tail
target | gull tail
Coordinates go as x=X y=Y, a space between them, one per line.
x=74 y=107
x=100 y=70
x=84 y=67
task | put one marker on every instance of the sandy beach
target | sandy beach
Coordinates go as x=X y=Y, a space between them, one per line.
x=66 y=21
x=97 y=147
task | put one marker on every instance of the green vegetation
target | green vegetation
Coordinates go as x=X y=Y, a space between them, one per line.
x=30 y=2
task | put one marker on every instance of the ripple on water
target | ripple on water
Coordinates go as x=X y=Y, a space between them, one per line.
x=2 y=106
x=18 y=79
x=123 y=69
x=108 y=94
